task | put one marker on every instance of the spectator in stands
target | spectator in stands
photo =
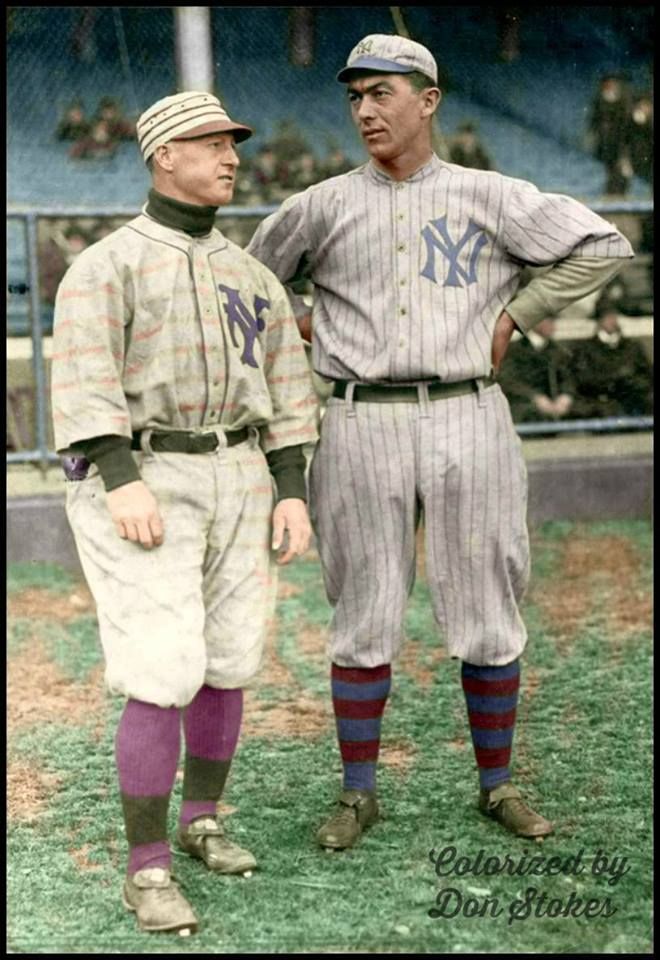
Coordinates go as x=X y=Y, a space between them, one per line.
x=120 y=126
x=335 y=163
x=73 y=125
x=288 y=142
x=612 y=374
x=641 y=137
x=303 y=172
x=102 y=228
x=609 y=126
x=535 y=376
x=508 y=29
x=98 y=145
x=56 y=254
x=268 y=172
x=83 y=39
x=466 y=149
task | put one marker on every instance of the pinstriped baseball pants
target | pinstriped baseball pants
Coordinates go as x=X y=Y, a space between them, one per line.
x=377 y=469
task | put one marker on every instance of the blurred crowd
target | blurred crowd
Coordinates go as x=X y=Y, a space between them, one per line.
x=620 y=133
x=96 y=137
x=60 y=242
x=606 y=375
x=286 y=164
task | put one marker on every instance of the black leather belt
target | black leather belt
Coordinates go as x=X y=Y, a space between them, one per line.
x=408 y=393
x=188 y=441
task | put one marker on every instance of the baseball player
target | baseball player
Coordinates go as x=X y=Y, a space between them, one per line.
x=181 y=399
x=416 y=264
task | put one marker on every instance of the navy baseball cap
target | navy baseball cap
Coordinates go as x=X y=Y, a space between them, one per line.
x=389 y=54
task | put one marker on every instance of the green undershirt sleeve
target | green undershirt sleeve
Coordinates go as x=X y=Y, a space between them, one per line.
x=287 y=467
x=569 y=280
x=116 y=464
x=112 y=455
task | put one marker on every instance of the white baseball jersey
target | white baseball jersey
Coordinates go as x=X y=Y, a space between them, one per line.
x=154 y=328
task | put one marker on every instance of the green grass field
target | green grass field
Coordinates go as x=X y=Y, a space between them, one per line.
x=582 y=752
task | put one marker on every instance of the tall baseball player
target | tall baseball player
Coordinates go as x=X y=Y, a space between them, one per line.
x=181 y=397
x=416 y=264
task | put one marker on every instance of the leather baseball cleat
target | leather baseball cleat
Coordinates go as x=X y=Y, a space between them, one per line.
x=358 y=809
x=504 y=804
x=154 y=896
x=205 y=839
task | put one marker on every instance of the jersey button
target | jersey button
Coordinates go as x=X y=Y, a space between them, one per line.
x=403 y=311
x=401 y=248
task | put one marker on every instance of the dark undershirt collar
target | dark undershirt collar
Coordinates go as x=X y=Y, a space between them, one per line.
x=193 y=220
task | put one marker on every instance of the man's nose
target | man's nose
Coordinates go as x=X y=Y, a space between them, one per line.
x=365 y=108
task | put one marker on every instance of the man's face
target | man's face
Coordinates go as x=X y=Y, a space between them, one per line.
x=204 y=169
x=389 y=114
x=609 y=322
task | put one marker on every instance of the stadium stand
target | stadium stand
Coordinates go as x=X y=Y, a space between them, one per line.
x=530 y=113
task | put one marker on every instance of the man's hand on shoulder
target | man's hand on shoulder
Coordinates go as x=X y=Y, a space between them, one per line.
x=290 y=523
x=135 y=514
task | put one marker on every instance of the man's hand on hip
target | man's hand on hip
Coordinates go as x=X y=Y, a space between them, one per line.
x=504 y=329
x=290 y=520
x=135 y=514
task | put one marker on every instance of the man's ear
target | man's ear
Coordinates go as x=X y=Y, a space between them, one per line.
x=431 y=97
x=163 y=157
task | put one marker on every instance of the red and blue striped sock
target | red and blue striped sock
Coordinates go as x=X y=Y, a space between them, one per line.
x=491 y=694
x=359 y=695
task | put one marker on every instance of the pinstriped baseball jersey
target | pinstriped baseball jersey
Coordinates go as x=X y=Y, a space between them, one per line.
x=154 y=328
x=411 y=276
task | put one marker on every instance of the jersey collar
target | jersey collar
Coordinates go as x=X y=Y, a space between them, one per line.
x=431 y=166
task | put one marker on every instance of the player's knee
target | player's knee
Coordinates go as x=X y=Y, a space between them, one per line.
x=234 y=668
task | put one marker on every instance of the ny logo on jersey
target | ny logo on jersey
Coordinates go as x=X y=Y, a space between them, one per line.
x=437 y=237
x=249 y=325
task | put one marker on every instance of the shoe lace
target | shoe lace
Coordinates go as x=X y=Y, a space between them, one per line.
x=169 y=894
x=345 y=815
x=517 y=807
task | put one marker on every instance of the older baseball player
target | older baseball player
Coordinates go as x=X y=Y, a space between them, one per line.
x=416 y=264
x=182 y=397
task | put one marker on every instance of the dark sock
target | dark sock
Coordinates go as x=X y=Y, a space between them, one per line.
x=147 y=749
x=491 y=694
x=211 y=724
x=359 y=695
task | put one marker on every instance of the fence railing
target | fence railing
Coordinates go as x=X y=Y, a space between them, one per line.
x=31 y=216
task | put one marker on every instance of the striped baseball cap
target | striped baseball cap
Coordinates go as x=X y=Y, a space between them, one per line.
x=383 y=53
x=183 y=117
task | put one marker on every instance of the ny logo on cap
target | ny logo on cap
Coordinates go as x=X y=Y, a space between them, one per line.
x=364 y=46
x=438 y=239
x=239 y=316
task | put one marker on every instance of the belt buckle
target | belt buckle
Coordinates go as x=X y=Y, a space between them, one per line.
x=200 y=433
